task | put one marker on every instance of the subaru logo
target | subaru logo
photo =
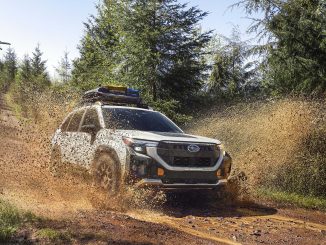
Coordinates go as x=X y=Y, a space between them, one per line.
x=193 y=148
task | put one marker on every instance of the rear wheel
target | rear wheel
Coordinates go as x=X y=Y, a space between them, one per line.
x=107 y=174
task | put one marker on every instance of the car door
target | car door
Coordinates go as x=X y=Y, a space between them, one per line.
x=88 y=131
x=71 y=142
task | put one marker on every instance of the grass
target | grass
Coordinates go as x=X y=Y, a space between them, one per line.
x=16 y=108
x=309 y=202
x=11 y=219
x=53 y=235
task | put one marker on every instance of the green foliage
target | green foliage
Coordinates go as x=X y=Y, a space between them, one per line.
x=54 y=235
x=25 y=71
x=40 y=77
x=64 y=68
x=23 y=80
x=24 y=84
x=169 y=108
x=149 y=44
x=98 y=49
x=300 y=47
x=282 y=197
x=8 y=69
x=11 y=219
x=295 y=52
x=232 y=73
x=167 y=41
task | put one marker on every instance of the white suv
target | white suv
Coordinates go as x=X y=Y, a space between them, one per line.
x=127 y=144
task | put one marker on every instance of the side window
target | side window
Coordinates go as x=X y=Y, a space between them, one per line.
x=91 y=118
x=75 y=121
x=66 y=123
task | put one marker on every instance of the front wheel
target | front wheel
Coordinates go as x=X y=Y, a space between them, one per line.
x=106 y=174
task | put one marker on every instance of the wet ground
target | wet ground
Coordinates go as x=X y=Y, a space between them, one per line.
x=71 y=204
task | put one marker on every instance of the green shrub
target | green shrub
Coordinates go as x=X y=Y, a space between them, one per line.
x=170 y=108
x=53 y=235
x=10 y=219
x=283 y=197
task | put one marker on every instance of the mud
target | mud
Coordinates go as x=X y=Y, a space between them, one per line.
x=71 y=203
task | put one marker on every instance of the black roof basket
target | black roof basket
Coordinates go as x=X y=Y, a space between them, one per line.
x=114 y=95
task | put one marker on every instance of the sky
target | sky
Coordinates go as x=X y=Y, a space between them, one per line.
x=57 y=25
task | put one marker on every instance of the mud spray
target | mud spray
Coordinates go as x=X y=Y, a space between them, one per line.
x=26 y=180
x=259 y=136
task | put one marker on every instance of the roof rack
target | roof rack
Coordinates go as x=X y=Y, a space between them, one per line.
x=114 y=95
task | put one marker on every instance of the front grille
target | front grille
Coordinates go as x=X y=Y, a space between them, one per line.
x=177 y=154
x=192 y=161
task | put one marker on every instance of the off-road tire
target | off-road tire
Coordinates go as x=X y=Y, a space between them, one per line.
x=55 y=162
x=106 y=174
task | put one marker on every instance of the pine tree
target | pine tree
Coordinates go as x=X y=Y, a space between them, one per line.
x=40 y=75
x=295 y=51
x=98 y=48
x=26 y=70
x=163 y=47
x=154 y=45
x=232 y=73
x=25 y=84
x=9 y=68
x=64 y=68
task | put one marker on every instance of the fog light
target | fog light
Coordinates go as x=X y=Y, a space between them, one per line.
x=160 y=172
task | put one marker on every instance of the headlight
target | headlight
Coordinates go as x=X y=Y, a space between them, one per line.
x=139 y=145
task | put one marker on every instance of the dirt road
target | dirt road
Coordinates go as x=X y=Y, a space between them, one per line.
x=71 y=204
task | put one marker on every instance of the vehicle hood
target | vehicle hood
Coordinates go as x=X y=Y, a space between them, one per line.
x=160 y=136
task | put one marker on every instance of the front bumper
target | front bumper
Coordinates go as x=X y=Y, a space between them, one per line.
x=143 y=172
x=159 y=183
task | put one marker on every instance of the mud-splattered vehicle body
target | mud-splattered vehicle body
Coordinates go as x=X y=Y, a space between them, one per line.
x=136 y=145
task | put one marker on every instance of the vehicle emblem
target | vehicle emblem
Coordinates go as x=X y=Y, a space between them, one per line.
x=193 y=148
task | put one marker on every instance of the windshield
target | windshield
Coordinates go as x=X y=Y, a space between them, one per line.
x=133 y=119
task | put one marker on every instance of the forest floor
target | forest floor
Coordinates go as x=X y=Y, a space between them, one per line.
x=73 y=211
